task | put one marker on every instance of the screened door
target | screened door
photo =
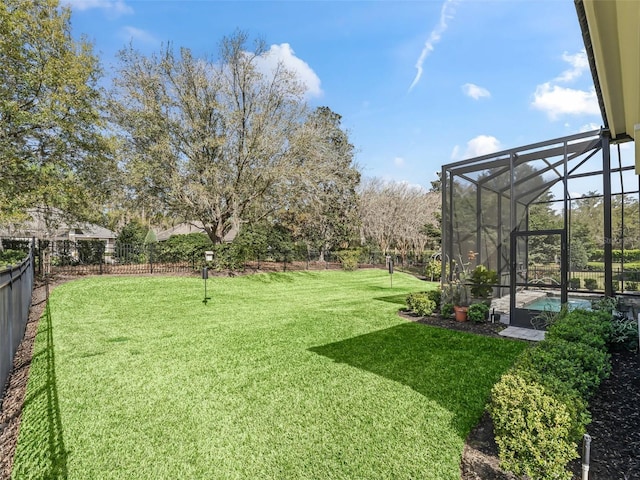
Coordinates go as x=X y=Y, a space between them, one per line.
x=538 y=275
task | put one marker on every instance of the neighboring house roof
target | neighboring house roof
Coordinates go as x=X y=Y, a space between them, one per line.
x=610 y=30
x=56 y=228
x=191 y=227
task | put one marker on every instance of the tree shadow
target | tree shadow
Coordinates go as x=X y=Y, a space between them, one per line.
x=400 y=299
x=454 y=369
x=41 y=452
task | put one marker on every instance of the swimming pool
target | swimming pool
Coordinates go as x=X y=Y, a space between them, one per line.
x=553 y=304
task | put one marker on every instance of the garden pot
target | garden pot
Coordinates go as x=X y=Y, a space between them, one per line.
x=461 y=313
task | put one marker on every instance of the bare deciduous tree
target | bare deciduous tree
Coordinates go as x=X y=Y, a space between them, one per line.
x=394 y=215
x=209 y=141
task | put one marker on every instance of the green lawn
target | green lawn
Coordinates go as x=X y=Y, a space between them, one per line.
x=291 y=375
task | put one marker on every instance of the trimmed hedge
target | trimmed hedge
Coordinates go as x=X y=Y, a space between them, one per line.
x=617 y=256
x=421 y=304
x=539 y=408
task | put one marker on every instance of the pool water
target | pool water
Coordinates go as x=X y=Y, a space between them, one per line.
x=553 y=304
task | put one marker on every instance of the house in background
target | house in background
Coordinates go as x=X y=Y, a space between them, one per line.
x=51 y=225
x=191 y=227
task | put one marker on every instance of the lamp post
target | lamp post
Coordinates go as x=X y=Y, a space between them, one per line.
x=208 y=256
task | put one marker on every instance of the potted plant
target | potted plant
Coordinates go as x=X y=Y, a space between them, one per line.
x=457 y=293
x=481 y=281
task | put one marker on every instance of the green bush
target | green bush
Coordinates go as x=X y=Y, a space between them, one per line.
x=478 y=312
x=590 y=283
x=580 y=326
x=446 y=310
x=227 y=256
x=540 y=407
x=574 y=283
x=578 y=366
x=629 y=255
x=349 y=259
x=532 y=429
x=420 y=304
x=183 y=248
x=624 y=335
x=435 y=296
x=433 y=270
x=11 y=257
x=481 y=281
x=632 y=286
x=90 y=252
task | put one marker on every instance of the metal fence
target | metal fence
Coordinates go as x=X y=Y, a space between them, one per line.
x=95 y=258
x=16 y=285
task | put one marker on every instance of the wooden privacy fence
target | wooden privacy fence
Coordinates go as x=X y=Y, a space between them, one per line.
x=16 y=285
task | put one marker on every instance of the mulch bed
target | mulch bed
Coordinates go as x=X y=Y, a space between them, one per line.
x=615 y=409
x=614 y=429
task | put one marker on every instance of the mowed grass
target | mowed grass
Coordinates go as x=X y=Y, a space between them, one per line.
x=305 y=375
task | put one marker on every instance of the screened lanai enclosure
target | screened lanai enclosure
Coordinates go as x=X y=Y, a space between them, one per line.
x=557 y=220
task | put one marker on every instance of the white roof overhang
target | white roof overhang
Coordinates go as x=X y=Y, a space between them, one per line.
x=611 y=32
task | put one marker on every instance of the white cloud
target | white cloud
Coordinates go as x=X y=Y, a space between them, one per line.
x=474 y=91
x=446 y=14
x=579 y=64
x=398 y=162
x=589 y=127
x=129 y=33
x=556 y=101
x=305 y=74
x=476 y=147
x=114 y=8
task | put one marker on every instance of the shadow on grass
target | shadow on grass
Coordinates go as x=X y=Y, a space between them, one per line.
x=400 y=299
x=40 y=452
x=456 y=370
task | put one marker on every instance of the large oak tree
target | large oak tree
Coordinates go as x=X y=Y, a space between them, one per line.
x=224 y=141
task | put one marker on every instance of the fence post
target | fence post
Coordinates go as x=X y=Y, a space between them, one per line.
x=150 y=258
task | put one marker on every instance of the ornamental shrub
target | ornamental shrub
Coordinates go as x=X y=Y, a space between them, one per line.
x=532 y=429
x=574 y=283
x=349 y=259
x=590 y=328
x=435 y=296
x=11 y=257
x=578 y=366
x=590 y=283
x=478 y=312
x=420 y=304
x=183 y=248
x=539 y=408
x=446 y=310
x=624 y=335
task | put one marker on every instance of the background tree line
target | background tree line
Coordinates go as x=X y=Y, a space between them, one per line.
x=222 y=140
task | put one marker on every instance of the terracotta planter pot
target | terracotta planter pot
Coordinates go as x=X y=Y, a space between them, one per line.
x=461 y=313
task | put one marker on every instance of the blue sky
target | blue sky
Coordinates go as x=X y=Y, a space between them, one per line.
x=418 y=83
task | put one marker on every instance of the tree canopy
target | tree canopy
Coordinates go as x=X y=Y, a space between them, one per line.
x=52 y=149
x=223 y=141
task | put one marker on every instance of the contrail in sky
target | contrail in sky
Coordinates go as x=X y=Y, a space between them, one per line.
x=446 y=14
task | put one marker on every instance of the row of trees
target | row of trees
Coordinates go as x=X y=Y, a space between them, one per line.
x=226 y=141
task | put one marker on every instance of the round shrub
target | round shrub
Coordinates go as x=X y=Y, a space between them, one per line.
x=420 y=304
x=590 y=328
x=435 y=296
x=578 y=366
x=349 y=259
x=532 y=429
x=478 y=312
x=446 y=310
